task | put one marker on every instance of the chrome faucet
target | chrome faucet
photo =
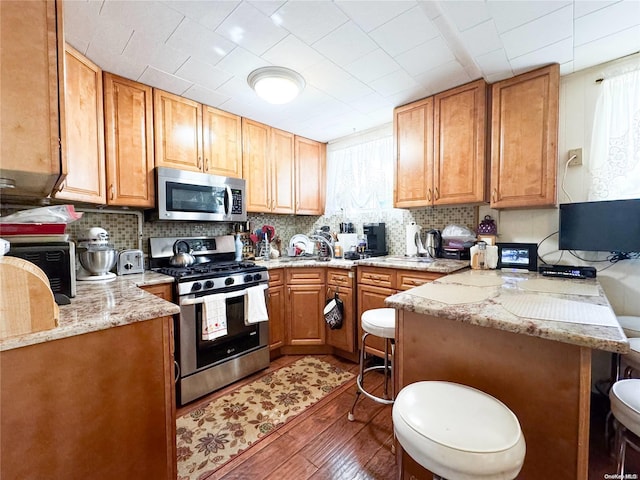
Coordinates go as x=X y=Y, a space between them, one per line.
x=320 y=238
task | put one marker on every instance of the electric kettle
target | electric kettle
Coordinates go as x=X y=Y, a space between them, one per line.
x=433 y=243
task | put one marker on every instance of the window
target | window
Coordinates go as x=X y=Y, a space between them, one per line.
x=615 y=146
x=360 y=173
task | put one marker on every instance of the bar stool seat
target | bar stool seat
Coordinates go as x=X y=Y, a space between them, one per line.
x=630 y=325
x=458 y=432
x=625 y=406
x=380 y=322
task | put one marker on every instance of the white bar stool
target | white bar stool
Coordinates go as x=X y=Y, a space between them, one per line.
x=380 y=322
x=458 y=432
x=625 y=406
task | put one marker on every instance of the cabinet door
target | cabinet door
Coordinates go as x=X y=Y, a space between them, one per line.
x=304 y=312
x=524 y=139
x=31 y=61
x=370 y=297
x=344 y=337
x=255 y=165
x=128 y=117
x=161 y=290
x=310 y=176
x=282 y=168
x=413 y=136
x=178 y=131
x=222 y=143
x=459 y=138
x=85 y=180
x=276 y=316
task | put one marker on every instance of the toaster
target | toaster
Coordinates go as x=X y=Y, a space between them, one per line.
x=130 y=261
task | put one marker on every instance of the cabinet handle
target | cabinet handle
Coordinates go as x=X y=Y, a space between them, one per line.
x=62 y=185
x=273 y=202
x=429 y=195
x=494 y=194
x=437 y=194
x=199 y=163
x=206 y=164
x=111 y=192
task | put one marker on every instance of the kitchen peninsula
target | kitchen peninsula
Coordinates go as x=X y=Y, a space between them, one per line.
x=520 y=337
x=94 y=396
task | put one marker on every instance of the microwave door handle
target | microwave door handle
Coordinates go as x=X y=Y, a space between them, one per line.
x=228 y=201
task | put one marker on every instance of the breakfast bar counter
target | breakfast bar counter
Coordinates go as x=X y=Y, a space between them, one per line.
x=521 y=337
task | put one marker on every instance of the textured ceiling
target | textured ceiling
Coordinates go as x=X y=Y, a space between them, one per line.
x=360 y=59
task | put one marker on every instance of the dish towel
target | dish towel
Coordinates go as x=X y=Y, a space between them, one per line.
x=214 y=317
x=255 y=307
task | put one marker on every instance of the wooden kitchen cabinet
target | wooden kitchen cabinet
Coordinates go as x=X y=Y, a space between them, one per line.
x=128 y=112
x=268 y=166
x=413 y=137
x=524 y=139
x=196 y=137
x=341 y=281
x=163 y=290
x=178 y=132
x=310 y=167
x=85 y=181
x=440 y=146
x=32 y=146
x=375 y=284
x=305 y=304
x=100 y=405
x=277 y=310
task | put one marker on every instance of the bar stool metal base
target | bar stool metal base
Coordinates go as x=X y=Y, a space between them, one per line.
x=386 y=367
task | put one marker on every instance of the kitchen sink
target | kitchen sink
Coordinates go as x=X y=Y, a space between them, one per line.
x=402 y=258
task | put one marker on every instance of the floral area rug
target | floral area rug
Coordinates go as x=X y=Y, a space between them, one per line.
x=212 y=435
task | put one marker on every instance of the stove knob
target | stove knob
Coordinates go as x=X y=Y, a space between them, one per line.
x=196 y=286
x=208 y=284
x=229 y=281
x=248 y=278
x=257 y=276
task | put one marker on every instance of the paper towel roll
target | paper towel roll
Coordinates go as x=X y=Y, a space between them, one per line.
x=412 y=230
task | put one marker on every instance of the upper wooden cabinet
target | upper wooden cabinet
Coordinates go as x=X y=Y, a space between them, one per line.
x=310 y=176
x=32 y=137
x=459 y=145
x=128 y=109
x=222 y=142
x=85 y=181
x=524 y=139
x=440 y=146
x=196 y=137
x=178 y=132
x=268 y=165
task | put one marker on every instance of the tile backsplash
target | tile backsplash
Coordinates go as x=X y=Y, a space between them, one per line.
x=123 y=227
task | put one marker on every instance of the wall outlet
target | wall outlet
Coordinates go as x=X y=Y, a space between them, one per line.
x=578 y=160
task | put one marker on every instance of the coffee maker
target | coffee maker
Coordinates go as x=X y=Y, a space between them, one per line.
x=376 y=239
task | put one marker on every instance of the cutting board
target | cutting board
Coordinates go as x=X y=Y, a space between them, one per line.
x=26 y=300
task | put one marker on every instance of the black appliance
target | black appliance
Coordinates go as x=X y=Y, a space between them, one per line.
x=609 y=226
x=57 y=260
x=376 y=239
x=208 y=365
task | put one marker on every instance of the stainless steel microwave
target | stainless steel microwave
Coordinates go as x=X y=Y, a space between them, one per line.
x=184 y=195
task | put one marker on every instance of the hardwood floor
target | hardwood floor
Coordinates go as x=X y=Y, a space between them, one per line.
x=322 y=444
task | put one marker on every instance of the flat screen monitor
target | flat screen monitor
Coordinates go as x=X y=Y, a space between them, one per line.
x=609 y=226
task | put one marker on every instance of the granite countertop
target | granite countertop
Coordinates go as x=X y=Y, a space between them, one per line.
x=493 y=296
x=102 y=305
x=391 y=261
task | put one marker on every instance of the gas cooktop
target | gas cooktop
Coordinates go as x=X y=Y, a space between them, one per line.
x=209 y=270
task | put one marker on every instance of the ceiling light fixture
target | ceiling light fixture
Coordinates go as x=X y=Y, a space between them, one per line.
x=276 y=85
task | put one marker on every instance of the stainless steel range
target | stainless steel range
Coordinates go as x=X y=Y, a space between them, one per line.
x=213 y=278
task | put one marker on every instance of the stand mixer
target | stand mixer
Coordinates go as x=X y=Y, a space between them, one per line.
x=97 y=256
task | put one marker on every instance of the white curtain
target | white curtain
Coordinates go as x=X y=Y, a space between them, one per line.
x=360 y=176
x=615 y=145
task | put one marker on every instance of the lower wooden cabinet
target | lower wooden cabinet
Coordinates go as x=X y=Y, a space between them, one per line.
x=277 y=309
x=162 y=290
x=340 y=281
x=99 y=405
x=304 y=306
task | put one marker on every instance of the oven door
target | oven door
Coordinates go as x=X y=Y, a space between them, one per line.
x=196 y=354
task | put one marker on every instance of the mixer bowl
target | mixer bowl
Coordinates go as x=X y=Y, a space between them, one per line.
x=98 y=261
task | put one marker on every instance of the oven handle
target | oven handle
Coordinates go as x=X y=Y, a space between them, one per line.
x=199 y=300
